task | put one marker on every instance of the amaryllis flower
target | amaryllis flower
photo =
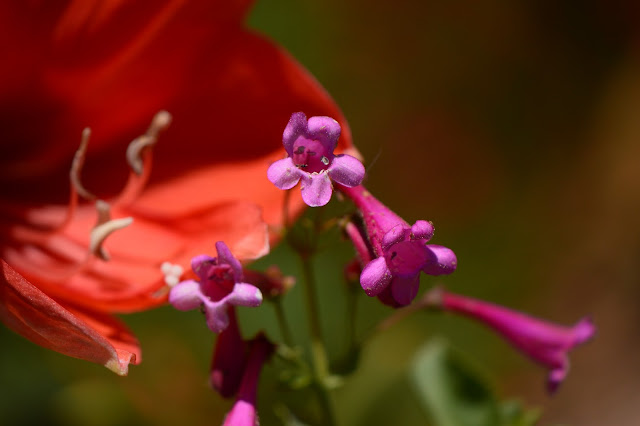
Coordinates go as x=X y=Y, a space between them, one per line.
x=112 y=66
x=219 y=286
x=544 y=342
x=393 y=252
x=310 y=145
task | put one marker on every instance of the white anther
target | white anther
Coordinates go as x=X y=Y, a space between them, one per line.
x=172 y=273
x=159 y=123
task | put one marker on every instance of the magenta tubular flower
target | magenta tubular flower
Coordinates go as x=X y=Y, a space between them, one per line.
x=395 y=252
x=544 y=342
x=229 y=359
x=220 y=285
x=243 y=412
x=310 y=145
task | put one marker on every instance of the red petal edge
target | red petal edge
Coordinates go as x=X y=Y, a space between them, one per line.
x=80 y=334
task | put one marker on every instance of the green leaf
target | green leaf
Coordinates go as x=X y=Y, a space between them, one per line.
x=453 y=393
x=514 y=414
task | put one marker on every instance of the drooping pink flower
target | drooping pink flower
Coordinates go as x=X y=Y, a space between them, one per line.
x=544 y=342
x=229 y=359
x=393 y=252
x=310 y=146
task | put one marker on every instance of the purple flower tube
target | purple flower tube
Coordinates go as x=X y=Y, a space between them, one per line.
x=243 y=412
x=544 y=342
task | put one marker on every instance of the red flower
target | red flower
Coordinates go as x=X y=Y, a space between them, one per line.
x=111 y=65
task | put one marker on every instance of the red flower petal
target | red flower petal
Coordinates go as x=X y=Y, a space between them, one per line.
x=130 y=280
x=112 y=66
x=74 y=332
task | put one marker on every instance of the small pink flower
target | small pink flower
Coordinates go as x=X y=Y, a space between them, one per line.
x=220 y=286
x=310 y=145
x=393 y=252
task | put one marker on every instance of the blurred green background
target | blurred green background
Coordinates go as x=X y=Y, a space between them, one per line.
x=514 y=127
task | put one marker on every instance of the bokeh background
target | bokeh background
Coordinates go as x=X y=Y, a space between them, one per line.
x=515 y=128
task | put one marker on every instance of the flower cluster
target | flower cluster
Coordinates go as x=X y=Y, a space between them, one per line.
x=392 y=254
x=220 y=287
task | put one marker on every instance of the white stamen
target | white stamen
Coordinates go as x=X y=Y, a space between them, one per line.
x=160 y=122
x=172 y=273
x=104 y=212
x=134 y=152
x=105 y=226
x=76 y=166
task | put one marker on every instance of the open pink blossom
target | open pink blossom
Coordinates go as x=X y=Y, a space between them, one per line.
x=310 y=145
x=220 y=286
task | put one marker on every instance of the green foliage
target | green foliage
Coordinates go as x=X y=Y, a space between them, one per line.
x=453 y=393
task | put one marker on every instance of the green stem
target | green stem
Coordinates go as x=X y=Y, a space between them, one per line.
x=282 y=322
x=429 y=300
x=352 y=305
x=286 y=217
x=317 y=343
x=318 y=351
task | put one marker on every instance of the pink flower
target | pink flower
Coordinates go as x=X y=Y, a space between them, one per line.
x=544 y=342
x=220 y=285
x=393 y=252
x=310 y=145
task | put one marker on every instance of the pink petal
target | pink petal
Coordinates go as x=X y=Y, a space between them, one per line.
x=296 y=127
x=375 y=277
x=422 y=230
x=316 y=189
x=284 y=174
x=346 y=170
x=324 y=129
x=443 y=260
x=404 y=290
x=225 y=256
x=186 y=295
